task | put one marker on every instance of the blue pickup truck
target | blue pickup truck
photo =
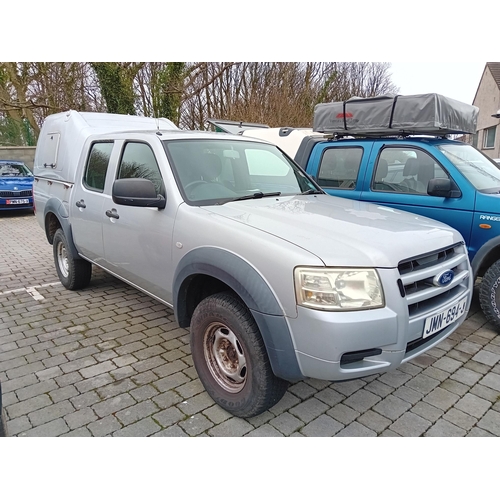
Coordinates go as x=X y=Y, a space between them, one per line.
x=431 y=175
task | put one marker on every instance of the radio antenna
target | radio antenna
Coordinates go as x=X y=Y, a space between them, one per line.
x=157 y=125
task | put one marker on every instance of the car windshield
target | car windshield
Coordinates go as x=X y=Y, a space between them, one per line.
x=215 y=171
x=480 y=171
x=14 y=170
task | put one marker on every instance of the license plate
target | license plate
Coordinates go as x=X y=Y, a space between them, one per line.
x=18 y=202
x=441 y=320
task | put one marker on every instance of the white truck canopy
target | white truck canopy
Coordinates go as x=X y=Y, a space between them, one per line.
x=63 y=135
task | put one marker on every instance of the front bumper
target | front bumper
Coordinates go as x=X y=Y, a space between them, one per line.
x=4 y=205
x=331 y=346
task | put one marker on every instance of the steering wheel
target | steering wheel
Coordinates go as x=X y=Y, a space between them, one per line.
x=193 y=184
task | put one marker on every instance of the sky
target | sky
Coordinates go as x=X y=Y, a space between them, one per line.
x=432 y=42
x=458 y=80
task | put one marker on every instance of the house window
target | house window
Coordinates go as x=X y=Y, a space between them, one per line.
x=489 y=138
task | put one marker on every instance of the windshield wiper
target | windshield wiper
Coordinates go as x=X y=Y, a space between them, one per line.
x=313 y=191
x=258 y=194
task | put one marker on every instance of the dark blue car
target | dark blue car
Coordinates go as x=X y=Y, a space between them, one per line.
x=16 y=185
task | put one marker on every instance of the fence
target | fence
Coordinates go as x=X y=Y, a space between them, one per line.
x=19 y=153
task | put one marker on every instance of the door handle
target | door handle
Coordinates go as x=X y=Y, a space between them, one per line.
x=81 y=204
x=112 y=213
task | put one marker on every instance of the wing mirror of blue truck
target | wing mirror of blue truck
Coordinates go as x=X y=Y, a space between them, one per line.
x=137 y=193
x=445 y=188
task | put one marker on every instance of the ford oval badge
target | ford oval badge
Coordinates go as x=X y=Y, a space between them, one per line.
x=444 y=278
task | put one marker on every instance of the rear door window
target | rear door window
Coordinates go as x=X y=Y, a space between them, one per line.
x=339 y=167
x=97 y=166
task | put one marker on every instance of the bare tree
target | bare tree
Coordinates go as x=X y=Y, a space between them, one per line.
x=276 y=93
x=31 y=91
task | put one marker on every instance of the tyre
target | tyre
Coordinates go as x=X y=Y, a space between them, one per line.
x=489 y=294
x=73 y=273
x=3 y=424
x=231 y=359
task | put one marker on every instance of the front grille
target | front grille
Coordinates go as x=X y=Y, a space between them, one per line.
x=15 y=194
x=418 y=273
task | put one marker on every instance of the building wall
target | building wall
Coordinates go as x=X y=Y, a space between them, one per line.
x=488 y=101
x=19 y=153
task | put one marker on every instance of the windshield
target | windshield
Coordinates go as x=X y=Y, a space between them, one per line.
x=480 y=171
x=214 y=171
x=14 y=170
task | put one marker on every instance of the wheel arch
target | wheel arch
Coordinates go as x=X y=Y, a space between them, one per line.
x=207 y=270
x=488 y=254
x=56 y=217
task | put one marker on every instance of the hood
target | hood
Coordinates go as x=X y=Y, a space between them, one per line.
x=342 y=232
x=488 y=203
x=7 y=182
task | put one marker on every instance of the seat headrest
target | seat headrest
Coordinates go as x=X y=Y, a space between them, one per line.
x=382 y=169
x=411 y=167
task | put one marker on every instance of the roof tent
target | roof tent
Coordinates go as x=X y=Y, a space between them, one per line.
x=389 y=115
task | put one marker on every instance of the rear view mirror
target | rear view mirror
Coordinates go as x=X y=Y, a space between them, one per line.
x=137 y=193
x=444 y=188
x=228 y=153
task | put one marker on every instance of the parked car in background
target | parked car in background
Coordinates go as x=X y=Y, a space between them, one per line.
x=497 y=160
x=16 y=185
x=3 y=420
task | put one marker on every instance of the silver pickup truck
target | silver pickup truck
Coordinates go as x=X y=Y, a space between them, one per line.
x=277 y=280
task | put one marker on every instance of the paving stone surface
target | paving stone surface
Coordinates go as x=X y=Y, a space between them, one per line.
x=110 y=361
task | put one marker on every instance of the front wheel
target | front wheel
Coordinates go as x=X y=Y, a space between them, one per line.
x=231 y=359
x=489 y=294
x=73 y=273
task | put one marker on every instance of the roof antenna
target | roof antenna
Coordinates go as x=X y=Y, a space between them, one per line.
x=158 y=126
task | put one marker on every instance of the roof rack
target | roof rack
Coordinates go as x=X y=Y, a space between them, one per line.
x=233 y=127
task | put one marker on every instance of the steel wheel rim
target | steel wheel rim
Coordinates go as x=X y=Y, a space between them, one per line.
x=225 y=357
x=62 y=259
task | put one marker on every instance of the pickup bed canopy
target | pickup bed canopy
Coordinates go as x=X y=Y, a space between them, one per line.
x=425 y=114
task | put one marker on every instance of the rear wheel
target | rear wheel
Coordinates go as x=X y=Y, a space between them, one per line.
x=73 y=273
x=489 y=294
x=231 y=359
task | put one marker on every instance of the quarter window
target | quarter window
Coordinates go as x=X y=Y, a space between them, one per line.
x=97 y=166
x=138 y=161
x=489 y=137
x=339 y=168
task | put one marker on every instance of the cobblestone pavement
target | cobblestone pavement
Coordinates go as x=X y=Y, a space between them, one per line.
x=110 y=361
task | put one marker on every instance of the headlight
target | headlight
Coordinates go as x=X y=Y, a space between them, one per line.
x=335 y=289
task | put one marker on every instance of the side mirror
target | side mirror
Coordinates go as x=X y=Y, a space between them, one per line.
x=137 y=193
x=444 y=188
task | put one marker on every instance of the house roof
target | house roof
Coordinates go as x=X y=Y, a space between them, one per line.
x=494 y=67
